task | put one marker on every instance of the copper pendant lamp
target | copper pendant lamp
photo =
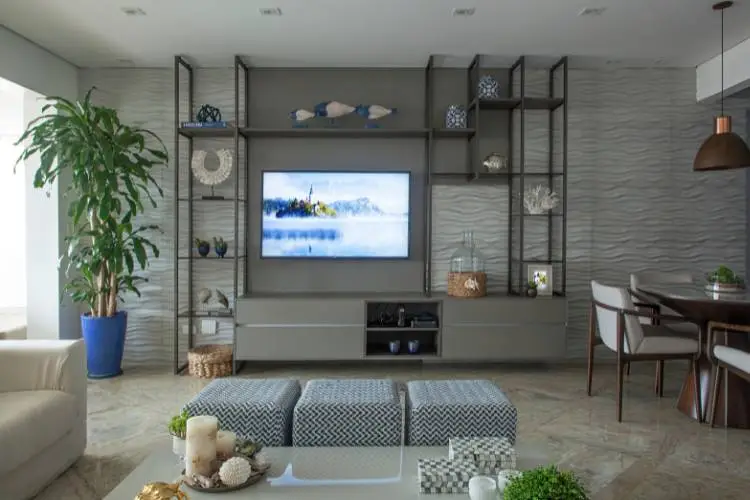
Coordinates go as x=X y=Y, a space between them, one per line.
x=723 y=150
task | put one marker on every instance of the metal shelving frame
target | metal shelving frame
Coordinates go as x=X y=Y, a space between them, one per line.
x=181 y=64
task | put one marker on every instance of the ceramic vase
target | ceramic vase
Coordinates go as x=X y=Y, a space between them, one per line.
x=413 y=346
x=455 y=116
x=488 y=88
x=204 y=249
x=394 y=346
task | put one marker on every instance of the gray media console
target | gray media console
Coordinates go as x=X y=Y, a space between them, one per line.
x=352 y=327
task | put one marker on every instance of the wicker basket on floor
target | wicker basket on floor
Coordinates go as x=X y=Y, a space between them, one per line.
x=210 y=361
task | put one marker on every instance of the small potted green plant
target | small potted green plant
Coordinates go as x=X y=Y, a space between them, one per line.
x=545 y=483
x=220 y=247
x=531 y=290
x=177 y=428
x=723 y=279
x=203 y=246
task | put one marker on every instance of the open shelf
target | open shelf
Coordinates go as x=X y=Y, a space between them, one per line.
x=538 y=261
x=206 y=314
x=228 y=258
x=470 y=177
x=530 y=103
x=383 y=355
x=210 y=200
x=391 y=329
x=357 y=133
x=207 y=132
x=537 y=174
x=536 y=216
x=453 y=133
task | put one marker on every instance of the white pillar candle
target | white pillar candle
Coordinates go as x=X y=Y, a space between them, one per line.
x=200 y=444
x=225 y=441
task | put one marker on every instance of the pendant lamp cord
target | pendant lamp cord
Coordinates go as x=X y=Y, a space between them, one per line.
x=722 y=62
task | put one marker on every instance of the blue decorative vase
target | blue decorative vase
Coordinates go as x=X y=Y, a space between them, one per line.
x=488 y=88
x=204 y=249
x=105 y=342
x=413 y=346
x=221 y=251
x=394 y=346
x=455 y=116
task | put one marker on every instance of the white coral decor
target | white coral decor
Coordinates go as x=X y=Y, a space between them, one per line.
x=539 y=199
x=235 y=471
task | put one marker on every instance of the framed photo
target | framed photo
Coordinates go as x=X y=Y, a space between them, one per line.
x=541 y=274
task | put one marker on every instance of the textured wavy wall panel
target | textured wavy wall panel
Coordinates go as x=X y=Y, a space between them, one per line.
x=633 y=201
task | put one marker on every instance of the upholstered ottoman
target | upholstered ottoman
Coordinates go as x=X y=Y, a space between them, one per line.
x=260 y=410
x=348 y=413
x=437 y=410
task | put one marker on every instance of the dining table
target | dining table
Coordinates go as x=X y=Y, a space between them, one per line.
x=699 y=304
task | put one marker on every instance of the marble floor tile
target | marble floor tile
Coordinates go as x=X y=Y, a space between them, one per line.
x=655 y=453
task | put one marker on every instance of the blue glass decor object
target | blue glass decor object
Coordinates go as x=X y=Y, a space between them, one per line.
x=373 y=112
x=488 y=88
x=394 y=346
x=413 y=346
x=299 y=116
x=455 y=116
x=332 y=110
x=208 y=114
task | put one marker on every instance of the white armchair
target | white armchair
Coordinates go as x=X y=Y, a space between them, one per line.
x=42 y=412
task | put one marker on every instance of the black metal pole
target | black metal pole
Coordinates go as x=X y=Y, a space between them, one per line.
x=522 y=160
x=565 y=178
x=176 y=220
x=427 y=256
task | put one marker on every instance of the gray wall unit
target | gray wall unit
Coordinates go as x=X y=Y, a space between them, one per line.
x=278 y=328
x=634 y=202
x=504 y=329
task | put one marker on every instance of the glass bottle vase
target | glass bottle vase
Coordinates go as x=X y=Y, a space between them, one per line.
x=467 y=276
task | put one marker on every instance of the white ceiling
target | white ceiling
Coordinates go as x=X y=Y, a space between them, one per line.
x=96 y=33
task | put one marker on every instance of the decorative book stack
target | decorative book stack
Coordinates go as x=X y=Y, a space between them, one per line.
x=467 y=457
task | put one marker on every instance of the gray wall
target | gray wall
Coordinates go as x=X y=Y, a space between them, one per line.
x=634 y=202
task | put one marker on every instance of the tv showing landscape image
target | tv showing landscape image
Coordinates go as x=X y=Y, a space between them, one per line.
x=346 y=215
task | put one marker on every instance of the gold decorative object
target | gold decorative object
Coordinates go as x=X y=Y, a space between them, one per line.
x=162 y=491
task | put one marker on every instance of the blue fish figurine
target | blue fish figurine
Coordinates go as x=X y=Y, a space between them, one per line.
x=374 y=111
x=300 y=115
x=332 y=109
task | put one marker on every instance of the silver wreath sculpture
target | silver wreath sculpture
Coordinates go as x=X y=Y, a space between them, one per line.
x=212 y=177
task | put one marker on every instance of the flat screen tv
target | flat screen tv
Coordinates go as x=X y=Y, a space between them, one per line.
x=335 y=215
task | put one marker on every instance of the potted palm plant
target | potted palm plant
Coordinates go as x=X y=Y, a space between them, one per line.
x=110 y=165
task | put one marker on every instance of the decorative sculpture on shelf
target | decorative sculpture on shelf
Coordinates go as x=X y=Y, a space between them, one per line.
x=539 y=199
x=373 y=112
x=220 y=247
x=223 y=300
x=212 y=177
x=162 y=491
x=333 y=110
x=299 y=116
x=455 y=116
x=495 y=163
x=208 y=114
x=488 y=87
x=204 y=295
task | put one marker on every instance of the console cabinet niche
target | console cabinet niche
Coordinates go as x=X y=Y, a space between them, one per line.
x=335 y=328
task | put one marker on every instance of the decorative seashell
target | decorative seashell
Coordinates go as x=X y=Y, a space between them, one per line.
x=204 y=295
x=223 y=300
x=471 y=284
x=301 y=115
x=235 y=471
x=539 y=199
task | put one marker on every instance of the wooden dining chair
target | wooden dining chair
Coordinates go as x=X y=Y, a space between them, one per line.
x=662 y=278
x=724 y=360
x=614 y=315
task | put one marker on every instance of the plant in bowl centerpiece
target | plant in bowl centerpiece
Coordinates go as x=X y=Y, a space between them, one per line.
x=531 y=290
x=111 y=170
x=220 y=246
x=203 y=247
x=177 y=428
x=545 y=482
x=723 y=279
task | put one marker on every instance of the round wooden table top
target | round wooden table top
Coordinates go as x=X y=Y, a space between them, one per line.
x=696 y=302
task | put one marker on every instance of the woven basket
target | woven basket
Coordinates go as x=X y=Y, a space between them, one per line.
x=467 y=285
x=210 y=361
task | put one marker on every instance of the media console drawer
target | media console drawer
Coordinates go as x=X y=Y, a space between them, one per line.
x=300 y=311
x=531 y=341
x=291 y=343
x=504 y=310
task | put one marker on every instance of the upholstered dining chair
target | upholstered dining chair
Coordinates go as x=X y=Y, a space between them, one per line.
x=617 y=319
x=644 y=278
x=724 y=360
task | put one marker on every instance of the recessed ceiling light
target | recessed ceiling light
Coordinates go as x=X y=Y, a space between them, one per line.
x=133 y=11
x=469 y=11
x=270 y=11
x=592 y=11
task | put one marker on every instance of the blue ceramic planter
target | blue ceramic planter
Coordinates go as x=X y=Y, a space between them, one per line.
x=105 y=341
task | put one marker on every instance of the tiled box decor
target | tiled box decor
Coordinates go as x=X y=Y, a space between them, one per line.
x=260 y=409
x=443 y=475
x=489 y=454
x=437 y=410
x=348 y=413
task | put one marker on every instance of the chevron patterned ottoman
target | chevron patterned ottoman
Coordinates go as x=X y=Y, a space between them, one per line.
x=260 y=409
x=348 y=413
x=437 y=410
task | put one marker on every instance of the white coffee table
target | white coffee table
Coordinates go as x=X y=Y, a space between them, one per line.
x=317 y=473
